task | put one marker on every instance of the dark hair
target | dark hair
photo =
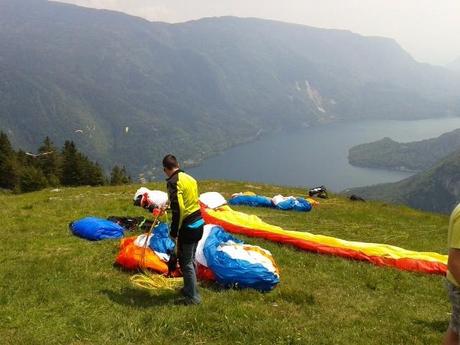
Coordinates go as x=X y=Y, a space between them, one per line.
x=170 y=162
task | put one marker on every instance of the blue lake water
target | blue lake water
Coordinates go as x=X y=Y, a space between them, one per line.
x=317 y=155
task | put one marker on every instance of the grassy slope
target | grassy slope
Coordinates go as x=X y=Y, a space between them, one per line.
x=58 y=289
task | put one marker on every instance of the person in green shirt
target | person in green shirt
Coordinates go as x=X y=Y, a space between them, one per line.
x=453 y=278
x=186 y=225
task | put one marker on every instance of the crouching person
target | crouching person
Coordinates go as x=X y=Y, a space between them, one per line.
x=453 y=278
x=186 y=225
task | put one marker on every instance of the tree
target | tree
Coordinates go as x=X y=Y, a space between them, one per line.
x=50 y=162
x=72 y=166
x=94 y=176
x=119 y=176
x=126 y=178
x=32 y=179
x=9 y=167
x=78 y=170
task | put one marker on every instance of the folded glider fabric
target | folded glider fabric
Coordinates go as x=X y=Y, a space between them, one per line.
x=313 y=202
x=96 y=229
x=280 y=202
x=378 y=254
x=156 y=197
x=219 y=257
x=251 y=200
x=160 y=241
x=235 y=264
x=212 y=199
x=291 y=203
x=131 y=252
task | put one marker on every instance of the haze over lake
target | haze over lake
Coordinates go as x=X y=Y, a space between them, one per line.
x=318 y=155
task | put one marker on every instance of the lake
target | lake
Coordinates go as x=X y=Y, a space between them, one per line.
x=317 y=155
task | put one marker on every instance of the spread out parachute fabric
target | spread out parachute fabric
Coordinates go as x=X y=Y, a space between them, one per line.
x=96 y=229
x=378 y=254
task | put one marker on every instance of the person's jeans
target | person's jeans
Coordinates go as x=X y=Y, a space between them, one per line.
x=187 y=264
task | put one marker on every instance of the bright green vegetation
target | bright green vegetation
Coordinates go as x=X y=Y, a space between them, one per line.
x=59 y=289
x=126 y=90
x=419 y=155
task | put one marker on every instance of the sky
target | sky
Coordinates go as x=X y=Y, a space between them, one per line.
x=428 y=29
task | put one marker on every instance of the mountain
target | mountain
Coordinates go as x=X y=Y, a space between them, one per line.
x=414 y=156
x=454 y=65
x=127 y=90
x=436 y=189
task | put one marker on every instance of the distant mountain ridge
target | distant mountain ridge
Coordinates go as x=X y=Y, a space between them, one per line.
x=454 y=65
x=128 y=91
x=415 y=156
x=436 y=189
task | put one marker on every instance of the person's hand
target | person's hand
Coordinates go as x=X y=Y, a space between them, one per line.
x=158 y=212
x=172 y=263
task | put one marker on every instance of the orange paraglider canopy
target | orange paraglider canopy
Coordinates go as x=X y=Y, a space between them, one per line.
x=378 y=254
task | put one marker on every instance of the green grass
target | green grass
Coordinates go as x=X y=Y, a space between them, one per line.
x=58 y=289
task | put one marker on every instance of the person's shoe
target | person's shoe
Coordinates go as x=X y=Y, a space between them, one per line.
x=185 y=301
x=180 y=291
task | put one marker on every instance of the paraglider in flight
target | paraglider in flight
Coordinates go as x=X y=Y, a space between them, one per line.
x=36 y=155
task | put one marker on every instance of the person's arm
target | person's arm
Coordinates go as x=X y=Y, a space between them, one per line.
x=453 y=263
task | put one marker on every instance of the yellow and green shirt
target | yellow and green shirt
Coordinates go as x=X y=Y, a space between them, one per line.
x=453 y=238
x=184 y=202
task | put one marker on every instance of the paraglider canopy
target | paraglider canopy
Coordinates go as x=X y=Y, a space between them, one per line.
x=145 y=197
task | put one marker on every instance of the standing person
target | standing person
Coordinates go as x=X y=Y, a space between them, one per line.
x=453 y=278
x=187 y=224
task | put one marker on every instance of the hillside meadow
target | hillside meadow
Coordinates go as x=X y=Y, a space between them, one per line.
x=59 y=289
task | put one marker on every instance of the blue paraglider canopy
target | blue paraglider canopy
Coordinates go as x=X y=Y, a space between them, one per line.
x=160 y=241
x=235 y=264
x=96 y=229
x=279 y=202
x=251 y=200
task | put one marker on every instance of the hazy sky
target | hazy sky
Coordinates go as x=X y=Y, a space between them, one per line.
x=428 y=29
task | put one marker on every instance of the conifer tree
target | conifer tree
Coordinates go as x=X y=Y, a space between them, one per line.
x=94 y=176
x=9 y=169
x=72 y=165
x=32 y=179
x=115 y=176
x=119 y=176
x=126 y=179
x=78 y=170
x=50 y=162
